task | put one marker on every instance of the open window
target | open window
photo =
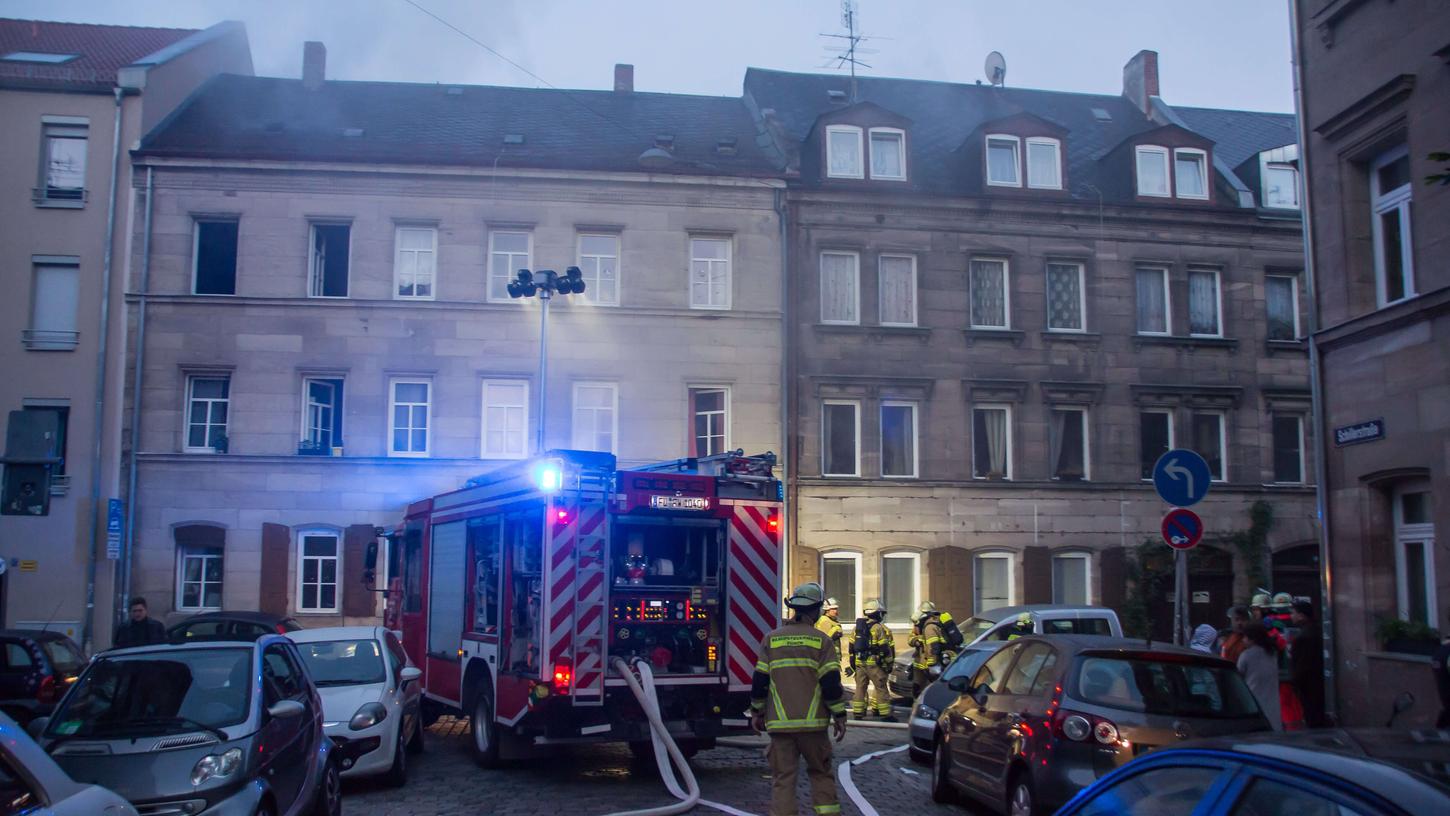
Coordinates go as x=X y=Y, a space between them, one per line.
x=328 y=260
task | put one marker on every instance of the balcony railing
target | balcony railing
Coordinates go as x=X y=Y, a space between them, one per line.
x=47 y=340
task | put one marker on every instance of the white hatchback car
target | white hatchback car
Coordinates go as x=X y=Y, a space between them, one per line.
x=370 y=697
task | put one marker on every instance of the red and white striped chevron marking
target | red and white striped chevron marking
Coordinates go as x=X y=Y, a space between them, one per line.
x=590 y=595
x=752 y=595
x=558 y=589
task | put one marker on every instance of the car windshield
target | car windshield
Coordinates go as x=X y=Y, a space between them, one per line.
x=63 y=656
x=1174 y=686
x=344 y=662
x=157 y=692
x=967 y=663
x=975 y=628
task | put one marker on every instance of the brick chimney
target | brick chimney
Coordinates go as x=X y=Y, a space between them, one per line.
x=314 y=65
x=623 y=78
x=1140 y=78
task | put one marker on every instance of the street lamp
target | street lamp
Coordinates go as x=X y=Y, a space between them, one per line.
x=544 y=285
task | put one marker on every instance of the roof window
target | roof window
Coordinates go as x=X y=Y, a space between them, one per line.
x=836 y=96
x=513 y=138
x=1102 y=115
x=39 y=57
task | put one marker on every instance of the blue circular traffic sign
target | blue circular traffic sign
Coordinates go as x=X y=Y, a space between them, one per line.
x=1181 y=477
x=1182 y=529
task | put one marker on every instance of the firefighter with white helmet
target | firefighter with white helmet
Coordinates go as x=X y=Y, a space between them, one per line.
x=830 y=623
x=929 y=644
x=796 y=693
x=872 y=653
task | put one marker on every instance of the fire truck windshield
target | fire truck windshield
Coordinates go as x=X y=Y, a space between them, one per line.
x=663 y=552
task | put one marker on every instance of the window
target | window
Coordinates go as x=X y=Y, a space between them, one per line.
x=53 y=305
x=1153 y=300
x=508 y=252
x=199 y=571
x=599 y=262
x=1071 y=581
x=840 y=289
x=991 y=300
x=709 y=273
x=1281 y=302
x=505 y=431
x=208 y=400
x=1281 y=186
x=900 y=585
x=1155 y=438
x=214 y=258
x=1069 y=448
x=63 y=170
x=888 y=154
x=415 y=267
x=1033 y=658
x=993 y=673
x=317 y=571
x=897 y=282
x=1066 y=298
x=1204 y=303
x=1415 y=554
x=1152 y=164
x=992 y=442
x=1389 y=180
x=1190 y=173
x=1044 y=164
x=1162 y=789
x=321 y=414
x=409 y=409
x=898 y=439
x=843 y=152
x=1003 y=161
x=328 y=260
x=1288 y=449
x=1273 y=796
x=282 y=679
x=595 y=411
x=709 y=421
x=993 y=581
x=44 y=58
x=840 y=438
x=62 y=424
x=1209 y=442
x=841 y=579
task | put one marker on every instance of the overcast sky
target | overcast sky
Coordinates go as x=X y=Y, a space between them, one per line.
x=1213 y=53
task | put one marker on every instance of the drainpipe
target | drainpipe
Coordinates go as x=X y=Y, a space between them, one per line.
x=88 y=626
x=1316 y=380
x=787 y=458
x=124 y=595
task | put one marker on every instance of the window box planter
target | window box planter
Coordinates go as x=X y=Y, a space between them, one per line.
x=1407 y=637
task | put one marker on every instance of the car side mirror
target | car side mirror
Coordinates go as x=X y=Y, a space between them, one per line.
x=958 y=684
x=284 y=709
x=409 y=674
x=37 y=727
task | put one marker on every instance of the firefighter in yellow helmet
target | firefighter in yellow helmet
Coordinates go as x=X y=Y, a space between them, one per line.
x=829 y=622
x=795 y=695
x=929 y=643
x=872 y=653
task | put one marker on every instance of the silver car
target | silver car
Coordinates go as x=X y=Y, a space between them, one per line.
x=30 y=781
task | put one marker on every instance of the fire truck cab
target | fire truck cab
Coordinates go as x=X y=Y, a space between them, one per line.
x=515 y=594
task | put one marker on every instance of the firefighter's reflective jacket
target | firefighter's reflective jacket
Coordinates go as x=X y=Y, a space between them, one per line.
x=872 y=644
x=797 y=681
x=832 y=628
x=929 y=644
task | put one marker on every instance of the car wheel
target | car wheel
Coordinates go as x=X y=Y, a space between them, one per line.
x=415 y=745
x=329 y=792
x=941 y=788
x=1021 y=800
x=397 y=773
x=485 y=731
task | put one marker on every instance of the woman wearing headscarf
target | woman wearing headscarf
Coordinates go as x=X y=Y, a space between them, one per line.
x=1259 y=664
x=1203 y=638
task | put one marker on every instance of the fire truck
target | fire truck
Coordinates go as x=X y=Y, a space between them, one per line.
x=520 y=590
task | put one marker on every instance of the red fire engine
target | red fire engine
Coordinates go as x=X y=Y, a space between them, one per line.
x=515 y=593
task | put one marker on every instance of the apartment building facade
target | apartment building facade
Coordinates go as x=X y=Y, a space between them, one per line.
x=74 y=97
x=328 y=335
x=1374 y=79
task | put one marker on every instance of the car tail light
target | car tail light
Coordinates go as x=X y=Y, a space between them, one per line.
x=47 y=692
x=563 y=677
x=1080 y=727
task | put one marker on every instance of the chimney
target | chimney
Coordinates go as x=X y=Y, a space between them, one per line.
x=314 y=65
x=1140 y=79
x=623 y=78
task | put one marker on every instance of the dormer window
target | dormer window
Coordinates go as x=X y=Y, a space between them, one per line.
x=1152 y=162
x=1281 y=186
x=1003 y=161
x=843 y=152
x=1190 y=172
x=888 y=154
x=1044 y=163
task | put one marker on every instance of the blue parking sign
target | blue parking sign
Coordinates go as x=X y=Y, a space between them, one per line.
x=1181 y=477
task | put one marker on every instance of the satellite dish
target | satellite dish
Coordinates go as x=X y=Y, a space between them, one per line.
x=996 y=68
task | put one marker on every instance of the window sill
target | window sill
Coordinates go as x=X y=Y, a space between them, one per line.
x=41 y=198
x=1402 y=657
x=1013 y=336
x=1190 y=344
x=1289 y=346
x=1072 y=336
x=44 y=340
x=877 y=333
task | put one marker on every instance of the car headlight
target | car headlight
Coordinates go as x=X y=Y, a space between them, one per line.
x=216 y=766
x=926 y=712
x=369 y=715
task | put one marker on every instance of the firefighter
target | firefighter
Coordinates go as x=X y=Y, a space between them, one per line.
x=796 y=693
x=830 y=623
x=929 y=645
x=872 y=653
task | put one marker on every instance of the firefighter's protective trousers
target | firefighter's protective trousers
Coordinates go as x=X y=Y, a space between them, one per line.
x=784 y=754
x=797 y=686
x=871 y=672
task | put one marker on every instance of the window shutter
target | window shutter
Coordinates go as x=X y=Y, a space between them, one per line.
x=949 y=580
x=357 y=600
x=1113 y=569
x=694 y=412
x=805 y=565
x=1036 y=575
x=276 y=554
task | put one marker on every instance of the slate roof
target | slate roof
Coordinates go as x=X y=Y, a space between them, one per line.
x=1239 y=135
x=102 y=50
x=237 y=117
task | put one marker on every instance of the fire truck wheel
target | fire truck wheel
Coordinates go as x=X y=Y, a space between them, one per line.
x=485 y=731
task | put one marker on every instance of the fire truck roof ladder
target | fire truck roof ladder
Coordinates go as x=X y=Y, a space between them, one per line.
x=729 y=463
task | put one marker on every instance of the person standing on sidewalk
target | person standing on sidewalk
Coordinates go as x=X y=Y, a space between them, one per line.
x=829 y=622
x=141 y=629
x=1306 y=664
x=794 y=696
x=872 y=652
x=928 y=649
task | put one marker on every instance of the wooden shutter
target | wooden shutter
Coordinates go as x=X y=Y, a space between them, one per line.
x=949 y=580
x=1036 y=575
x=276 y=550
x=805 y=565
x=357 y=600
x=1113 y=572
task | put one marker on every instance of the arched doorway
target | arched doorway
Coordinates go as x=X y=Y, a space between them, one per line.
x=1296 y=571
x=1210 y=589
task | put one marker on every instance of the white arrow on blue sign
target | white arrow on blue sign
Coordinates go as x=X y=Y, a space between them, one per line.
x=1181 y=477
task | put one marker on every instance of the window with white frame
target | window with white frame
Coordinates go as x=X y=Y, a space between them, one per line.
x=1004 y=161
x=897 y=283
x=410 y=403
x=1415 y=554
x=898 y=439
x=1068 y=444
x=993 y=581
x=199 y=564
x=208 y=400
x=1152 y=167
x=596 y=416
x=599 y=264
x=709 y=421
x=414 y=264
x=900 y=585
x=54 y=304
x=1281 y=303
x=1211 y=442
x=1072 y=578
x=709 y=273
x=1288 y=433
x=840 y=438
x=1044 y=163
x=991 y=297
x=1155 y=438
x=992 y=442
x=318 y=566
x=1281 y=186
x=1152 y=290
x=1066 y=297
x=888 y=154
x=63 y=166
x=840 y=288
x=328 y=260
x=1190 y=172
x=505 y=432
x=843 y=152
x=841 y=579
x=508 y=252
x=1204 y=303
x=321 y=414
x=1389 y=179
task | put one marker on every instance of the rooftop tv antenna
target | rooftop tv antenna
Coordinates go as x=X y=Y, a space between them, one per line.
x=848 y=53
x=996 y=69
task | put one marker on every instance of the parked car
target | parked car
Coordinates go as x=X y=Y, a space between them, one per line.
x=36 y=667
x=371 y=697
x=213 y=728
x=239 y=625
x=937 y=696
x=1047 y=715
x=31 y=782
x=1371 y=772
